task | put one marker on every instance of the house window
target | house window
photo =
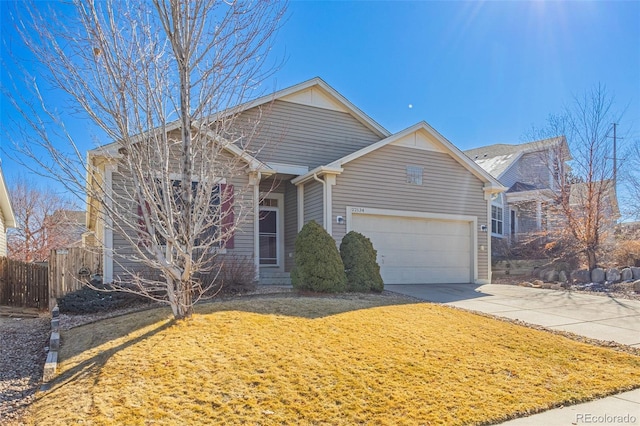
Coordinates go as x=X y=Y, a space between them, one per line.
x=221 y=216
x=414 y=175
x=496 y=220
x=268 y=202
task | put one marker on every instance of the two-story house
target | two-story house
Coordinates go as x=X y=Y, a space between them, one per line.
x=532 y=172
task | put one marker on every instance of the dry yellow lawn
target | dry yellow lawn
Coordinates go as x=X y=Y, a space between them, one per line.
x=321 y=361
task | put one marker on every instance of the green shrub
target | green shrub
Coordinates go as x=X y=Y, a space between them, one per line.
x=361 y=267
x=318 y=266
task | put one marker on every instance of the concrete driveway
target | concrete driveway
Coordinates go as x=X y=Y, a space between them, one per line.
x=598 y=317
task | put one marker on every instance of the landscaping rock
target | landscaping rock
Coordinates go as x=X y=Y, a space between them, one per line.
x=550 y=275
x=22 y=356
x=612 y=275
x=626 y=274
x=581 y=276
x=598 y=275
x=562 y=276
x=525 y=284
x=636 y=286
x=536 y=272
x=537 y=283
x=636 y=272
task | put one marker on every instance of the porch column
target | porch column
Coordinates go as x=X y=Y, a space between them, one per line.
x=539 y=215
x=254 y=179
x=107 y=253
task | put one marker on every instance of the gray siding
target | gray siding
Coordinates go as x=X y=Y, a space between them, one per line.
x=124 y=253
x=511 y=175
x=290 y=224
x=291 y=133
x=313 y=202
x=534 y=169
x=378 y=180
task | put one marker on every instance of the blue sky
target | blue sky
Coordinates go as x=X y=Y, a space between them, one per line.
x=478 y=72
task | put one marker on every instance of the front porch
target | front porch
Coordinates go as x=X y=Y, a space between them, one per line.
x=270 y=277
x=276 y=229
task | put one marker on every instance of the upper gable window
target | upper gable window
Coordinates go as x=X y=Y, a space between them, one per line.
x=414 y=175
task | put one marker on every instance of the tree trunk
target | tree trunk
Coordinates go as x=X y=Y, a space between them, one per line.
x=591 y=259
x=183 y=308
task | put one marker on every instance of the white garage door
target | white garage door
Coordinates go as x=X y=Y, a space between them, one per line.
x=417 y=250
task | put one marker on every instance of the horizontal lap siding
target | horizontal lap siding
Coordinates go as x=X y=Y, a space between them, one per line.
x=313 y=202
x=243 y=237
x=290 y=223
x=533 y=169
x=378 y=180
x=511 y=175
x=272 y=186
x=298 y=134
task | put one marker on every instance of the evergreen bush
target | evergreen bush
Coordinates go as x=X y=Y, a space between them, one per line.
x=318 y=266
x=361 y=267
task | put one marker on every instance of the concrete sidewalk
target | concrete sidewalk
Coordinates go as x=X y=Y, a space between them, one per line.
x=598 y=317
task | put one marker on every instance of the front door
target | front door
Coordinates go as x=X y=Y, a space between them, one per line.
x=268 y=229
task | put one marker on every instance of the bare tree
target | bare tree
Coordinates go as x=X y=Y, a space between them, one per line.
x=162 y=79
x=42 y=222
x=631 y=177
x=584 y=205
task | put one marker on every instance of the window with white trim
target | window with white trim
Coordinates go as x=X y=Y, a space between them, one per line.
x=497 y=220
x=414 y=175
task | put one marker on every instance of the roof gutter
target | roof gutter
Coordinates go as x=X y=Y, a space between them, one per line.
x=313 y=174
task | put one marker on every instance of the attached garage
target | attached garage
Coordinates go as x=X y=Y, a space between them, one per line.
x=419 y=248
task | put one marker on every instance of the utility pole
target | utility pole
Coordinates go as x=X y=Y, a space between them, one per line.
x=615 y=156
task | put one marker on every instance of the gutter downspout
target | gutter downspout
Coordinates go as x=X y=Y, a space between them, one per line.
x=324 y=200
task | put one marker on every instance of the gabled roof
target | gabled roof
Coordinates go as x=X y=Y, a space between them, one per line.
x=498 y=158
x=306 y=87
x=492 y=186
x=5 y=204
x=311 y=91
x=111 y=150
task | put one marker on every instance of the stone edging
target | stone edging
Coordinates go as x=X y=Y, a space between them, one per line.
x=51 y=364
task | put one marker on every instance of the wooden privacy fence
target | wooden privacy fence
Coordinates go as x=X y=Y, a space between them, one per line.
x=23 y=284
x=70 y=269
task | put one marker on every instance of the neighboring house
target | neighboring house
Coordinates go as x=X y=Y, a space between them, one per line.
x=532 y=172
x=529 y=171
x=7 y=217
x=422 y=202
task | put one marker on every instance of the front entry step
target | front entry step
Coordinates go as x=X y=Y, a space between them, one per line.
x=275 y=278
